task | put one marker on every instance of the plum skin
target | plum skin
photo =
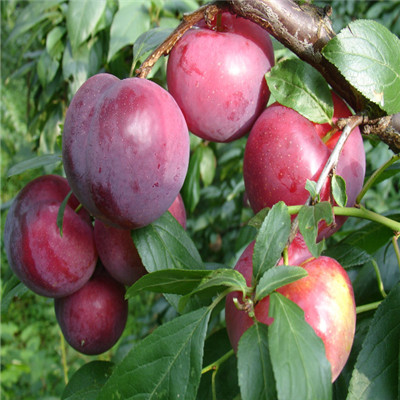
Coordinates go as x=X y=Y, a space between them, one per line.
x=125 y=149
x=118 y=252
x=93 y=318
x=325 y=295
x=221 y=99
x=284 y=149
x=49 y=264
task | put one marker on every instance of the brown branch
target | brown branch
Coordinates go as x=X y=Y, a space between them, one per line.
x=206 y=12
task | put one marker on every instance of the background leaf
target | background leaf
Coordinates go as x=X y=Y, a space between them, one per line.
x=131 y=20
x=207 y=166
x=297 y=85
x=191 y=187
x=256 y=378
x=297 y=353
x=376 y=373
x=216 y=346
x=368 y=56
x=32 y=163
x=82 y=18
x=165 y=365
x=149 y=41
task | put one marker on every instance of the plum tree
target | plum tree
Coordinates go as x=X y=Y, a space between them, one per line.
x=118 y=252
x=221 y=100
x=93 y=318
x=125 y=149
x=49 y=264
x=284 y=150
x=325 y=295
x=125 y=154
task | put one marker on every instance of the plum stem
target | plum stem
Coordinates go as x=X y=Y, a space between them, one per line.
x=63 y=357
x=207 y=12
x=214 y=365
x=396 y=247
x=329 y=166
x=378 y=278
x=368 y=307
x=373 y=178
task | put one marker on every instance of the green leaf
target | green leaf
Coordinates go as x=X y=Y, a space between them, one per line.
x=85 y=62
x=176 y=281
x=32 y=163
x=388 y=173
x=60 y=214
x=11 y=288
x=165 y=365
x=208 y=165
x=271 y=239
x=164 y=244
x=131 y=20
x=256 y=378
x=368 y=56
x=338 y=185
x=276 y=277
x=215 y=282
x=376 y=373
x=217 y=345
x=191 y=187
x=311 y=187
x=309 y=217
x=297 y=85
x=82 y=18
x=347 y=255
x=259 y=218
x=371 y=236
x=54 y=43
x=297 y=353
x=149 y=41
x=32 y=15
x=46 y=68
x=87 y=381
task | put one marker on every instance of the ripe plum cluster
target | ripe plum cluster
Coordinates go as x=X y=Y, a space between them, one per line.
x=125 y=156
x=84 y=269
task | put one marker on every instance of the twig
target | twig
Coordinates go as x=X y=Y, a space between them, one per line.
x=206 y=12
x=329 y=166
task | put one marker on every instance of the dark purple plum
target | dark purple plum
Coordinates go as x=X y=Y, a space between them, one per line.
x=221 y=99
x=117 y=251
x=93 y=318
x=126 y=149
x=49 y=264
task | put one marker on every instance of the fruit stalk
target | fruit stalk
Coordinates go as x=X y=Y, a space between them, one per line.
x=329 y=166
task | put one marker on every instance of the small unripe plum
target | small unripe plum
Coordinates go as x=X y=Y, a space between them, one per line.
x=221 y=99
x=125 y=149
x=325 y=295
x=284 y=149
x=49 y=264
x=93 y=318
x=117 y=251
